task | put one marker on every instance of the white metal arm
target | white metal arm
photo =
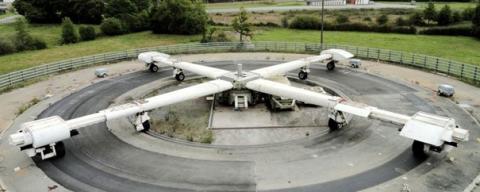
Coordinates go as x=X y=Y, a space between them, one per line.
x=54 y=129
x=283 y=90
x=280 y=69
x=428 y=128
x=283 y=68
x=155 y=57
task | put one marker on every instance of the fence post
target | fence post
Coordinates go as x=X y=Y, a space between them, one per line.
x=425 y=62
x=356 y=51
x=368 y=52
x=449 y=66
x=436 y=65
x=461 y=71
x=413 y=59
x=389 y=55
x=401 y=58
x=475 y=74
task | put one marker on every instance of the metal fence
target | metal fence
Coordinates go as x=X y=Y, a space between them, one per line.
x=466 y=72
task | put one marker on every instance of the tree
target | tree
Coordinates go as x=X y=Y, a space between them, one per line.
x=87 y=33
x=179 y=17
x=69 y=33
x=142 y=5
x=476 y=21
x=445 y=16
x=382 y=20
x=52 y=11
x=241 y=25
x=118 y=8
x=86 y=11
x=42 y=11
x=207 y=35
x=416 y=19
x=476 y=16
x=429 y=13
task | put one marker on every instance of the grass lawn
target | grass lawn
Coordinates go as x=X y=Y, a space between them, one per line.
x=8 y=14
x=457 y=48
x=55 y=52
x=453 y=5
x=49 y=33
x=248 y=4
x=465 y=49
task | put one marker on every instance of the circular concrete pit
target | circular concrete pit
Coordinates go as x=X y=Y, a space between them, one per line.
x=366 y=155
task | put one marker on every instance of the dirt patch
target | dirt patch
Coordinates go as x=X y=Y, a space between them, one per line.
x=187 y=120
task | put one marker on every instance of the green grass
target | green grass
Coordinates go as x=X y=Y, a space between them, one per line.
x=49 y=33
x=465 y=49
x=8 y=14
x=250 y=4
x=453 y=5
x=12 y=62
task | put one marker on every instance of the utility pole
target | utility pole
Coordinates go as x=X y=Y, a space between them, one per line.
x=321 y=33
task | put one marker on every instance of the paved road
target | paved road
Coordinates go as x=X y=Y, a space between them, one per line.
x=97 y=160
x=299 y=8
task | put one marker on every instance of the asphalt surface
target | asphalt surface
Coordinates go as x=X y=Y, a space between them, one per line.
x=360 y=156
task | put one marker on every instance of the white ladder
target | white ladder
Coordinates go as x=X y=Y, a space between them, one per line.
x=241 y=101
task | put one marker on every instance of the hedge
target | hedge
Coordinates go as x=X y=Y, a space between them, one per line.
x=454 y=31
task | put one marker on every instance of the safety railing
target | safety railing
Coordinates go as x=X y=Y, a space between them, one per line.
x=467 y=72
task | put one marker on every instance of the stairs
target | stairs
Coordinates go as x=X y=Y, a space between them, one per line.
x=241 y=101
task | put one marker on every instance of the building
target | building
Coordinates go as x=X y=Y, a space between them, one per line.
x=336 y=2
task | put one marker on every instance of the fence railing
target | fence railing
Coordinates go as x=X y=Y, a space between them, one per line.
x=467 y=72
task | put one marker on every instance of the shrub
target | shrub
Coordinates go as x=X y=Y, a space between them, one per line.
x=266 y=24
x=416 y=19
x=445 y=16
x=37 y=44
x=111 y=26
x=369 y=28
x=222 y=37
x=401 y=22
x=468 y=13
x=87 y=33
x=367 y=19
x=305 y=22
x=6 y=46
x=454 y=31
x=69 y=33
x=189 y=17
x=476 y=32
x=284 y=22
x=23 y=40
x=457 y=17
x=342 y=19
x=382 y=20
x=476 y=16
